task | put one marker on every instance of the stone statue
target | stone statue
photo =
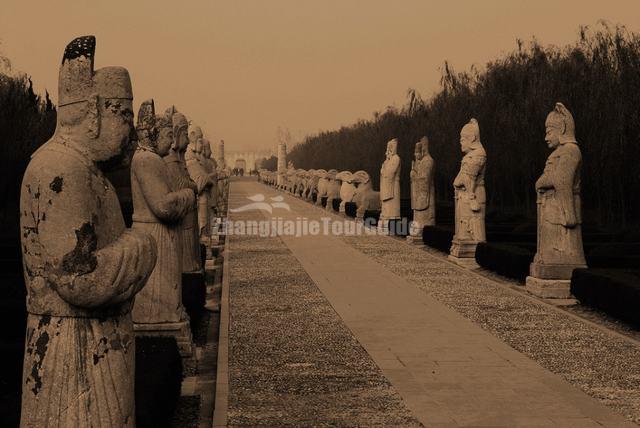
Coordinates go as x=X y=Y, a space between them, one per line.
x=197 y=171
x=347 y=189
x=470 y=197
x=312 y=184
x=158 y=210
x=365 y=198
x=423 y=195
x=390 y=186
x=560 y=248
x=212 y=169
x=333 y=188
x=82 y=266
x=179 y=177
x=322 y=186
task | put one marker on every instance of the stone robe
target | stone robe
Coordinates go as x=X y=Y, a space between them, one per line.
x=179 y=179
x=471 y=205
x=390 y=188
x=158 y=211
x=423 y=195
x=199 y=175
x=560 y=248
x=82 y=270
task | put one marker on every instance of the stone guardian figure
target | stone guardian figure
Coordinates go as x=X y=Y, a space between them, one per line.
x=390 y=187
x=560 y=249
x=470 y=197
x=423 y=195
x=159 y=210
x=82 y=267
x=198 y=172
x=179 y=177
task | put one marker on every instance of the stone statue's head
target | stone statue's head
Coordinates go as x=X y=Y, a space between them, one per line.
x=146 y=126
x=95 y=107
x=392 y=147
x=560 y=128
x=418 y=152
x=195 y=138
x=470 y=136
x=180 y=136
x=424 y=141
x=165 y=134
x=206 y=148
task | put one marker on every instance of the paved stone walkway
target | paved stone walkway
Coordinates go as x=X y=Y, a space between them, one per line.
x=447 y=369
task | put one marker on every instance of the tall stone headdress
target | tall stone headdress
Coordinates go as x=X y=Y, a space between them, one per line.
x=146 y=127
x=473 y=128
x=563 y=117
x=79 y=82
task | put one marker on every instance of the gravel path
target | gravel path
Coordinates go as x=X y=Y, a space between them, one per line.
x=603 y=365
x=292 y=360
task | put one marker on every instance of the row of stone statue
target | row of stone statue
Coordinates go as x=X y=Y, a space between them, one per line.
x=559 y=246
x=83 y=268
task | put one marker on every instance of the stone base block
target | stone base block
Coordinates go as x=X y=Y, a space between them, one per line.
x=554 y=271
x=181 y=331
x=549 y=288
x=415 y=240
x=466 y=262
x=463 y=249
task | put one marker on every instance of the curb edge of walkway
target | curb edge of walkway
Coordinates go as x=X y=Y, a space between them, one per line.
x=222 y=371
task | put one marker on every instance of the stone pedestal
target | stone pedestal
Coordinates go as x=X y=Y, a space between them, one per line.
x=181 y=331
x=465 y=262
x=549 y=288
x=415 y=240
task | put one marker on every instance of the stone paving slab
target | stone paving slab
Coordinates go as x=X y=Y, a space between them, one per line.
x=292 y=361
x=449 y=371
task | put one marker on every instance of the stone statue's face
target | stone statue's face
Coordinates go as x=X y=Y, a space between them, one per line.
x=183 y=139
x=206 y=150
x=418 y=153
x=165 y=139
x=553 y=132
x=467 y=138
x=116 y=127
x=391 y=148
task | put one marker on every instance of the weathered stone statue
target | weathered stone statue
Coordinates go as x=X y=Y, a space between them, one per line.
x=347 y=189
x=197 y=171
x=158 y=210
x=423 y=195
x=333 y=188
x=179 y=177
x=560 y=249
x=82 y=267
x=365 y=198
x=312 y=184
x=323 y=185
x=470 y=197
x=212 y=169
x=390 y=186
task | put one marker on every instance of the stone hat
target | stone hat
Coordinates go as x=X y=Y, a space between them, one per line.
x=78 y=80
x=344 y=176
x=146 y=126
x=473 y=127
x=562 y=115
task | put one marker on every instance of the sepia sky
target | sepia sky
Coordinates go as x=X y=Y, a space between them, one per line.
x=242 y=68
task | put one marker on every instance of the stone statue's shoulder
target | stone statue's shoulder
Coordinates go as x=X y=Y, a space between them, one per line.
x=146 y=159
x=58 y=162
x=569 y=149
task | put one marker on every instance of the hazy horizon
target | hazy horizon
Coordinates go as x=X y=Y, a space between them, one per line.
x=243 y=69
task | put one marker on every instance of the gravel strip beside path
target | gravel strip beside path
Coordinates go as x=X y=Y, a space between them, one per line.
x=604 y=366
x=292 y=360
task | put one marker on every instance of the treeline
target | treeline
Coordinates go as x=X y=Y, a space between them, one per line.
x=27 y=121
x=597 y=78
